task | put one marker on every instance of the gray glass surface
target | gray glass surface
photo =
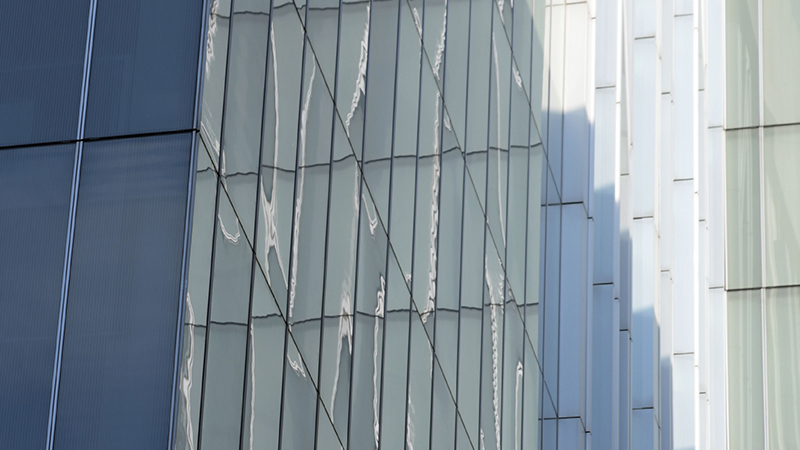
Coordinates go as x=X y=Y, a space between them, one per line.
x=35 y=186
x=124 y=294
x=144 y=66
x=743 y=196
x=782 y=359
x=745 y=377
x=364 y=196
x=41 y=65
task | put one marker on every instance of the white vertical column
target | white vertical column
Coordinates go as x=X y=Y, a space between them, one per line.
x=605 y=275
x=717 y=338
x=646 y=96
x=685 y=227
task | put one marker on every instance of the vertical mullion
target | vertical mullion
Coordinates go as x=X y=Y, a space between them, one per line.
x=254 y=260
x=214 y=236
x=440 y=113
x=461 y=248
x=292 y=262
x=359 y=199
x=334 y=115
x=484 y=272
x=87 y=62
x=410 y=285
x=527 y=213
x=389 y=250
x=505 y=238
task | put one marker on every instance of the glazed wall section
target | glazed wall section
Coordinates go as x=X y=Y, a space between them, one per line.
x=369 y=228
x=97 y=140
x=761 y=140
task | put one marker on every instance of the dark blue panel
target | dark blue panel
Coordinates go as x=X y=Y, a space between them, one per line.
x=34 y=214
x=41 y=67
x=144 y=66
x=124 y=293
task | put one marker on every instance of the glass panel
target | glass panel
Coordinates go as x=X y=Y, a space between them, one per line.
x=41 y=65
x=443 y=411
x=781 y=28
x=455 y=65
x=394 y=372
x=745 y=388
x=741 y=57
x=222 y=404
x=513 y=377
x=743 y=208
x=35 y=183
x=216 y=64
x=124 y=294
x=195 y=316
x=783 y=366
x=144 y=66
x=782 y=216
x=264 y=381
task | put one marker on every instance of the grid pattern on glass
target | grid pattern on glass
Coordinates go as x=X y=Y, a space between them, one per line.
x=368 y=281
x=762 y=222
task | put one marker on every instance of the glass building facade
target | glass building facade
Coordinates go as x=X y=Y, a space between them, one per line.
x=399 y=224
x=763 y=221
x=365 y=249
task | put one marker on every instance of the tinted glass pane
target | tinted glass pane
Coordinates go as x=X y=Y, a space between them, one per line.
x=34 y=203
x=782 y=216
x=745 y=384
x=743 y=206
x=144 y=66
x=119 y=340
x=783 y=357
x=741 y=42
x=41 y=66
x=781 y=25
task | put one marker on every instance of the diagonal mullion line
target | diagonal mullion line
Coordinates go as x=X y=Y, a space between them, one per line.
x=365 y=185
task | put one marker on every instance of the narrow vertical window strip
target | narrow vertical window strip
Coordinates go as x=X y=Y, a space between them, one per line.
x=71 y=227
x=183 y=299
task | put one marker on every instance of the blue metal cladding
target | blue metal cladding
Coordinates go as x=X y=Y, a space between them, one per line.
x=124 y=294
x=41 y=63
x=93 y=252
x=34 y=213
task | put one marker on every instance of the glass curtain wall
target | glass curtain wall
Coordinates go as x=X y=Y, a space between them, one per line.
x=763 y=222
x=370 y=202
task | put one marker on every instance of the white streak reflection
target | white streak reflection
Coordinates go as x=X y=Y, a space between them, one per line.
x=409 y=423
x=346 y=311
x=378 y=315
x=269 y=207
x=519 y=377
x=494 y=305
x=212 y=32
x=361 y=78
x=499 y=177
x=186 y=379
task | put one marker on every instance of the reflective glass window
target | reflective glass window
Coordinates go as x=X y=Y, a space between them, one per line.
x=743 y=206
x=782 y=216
